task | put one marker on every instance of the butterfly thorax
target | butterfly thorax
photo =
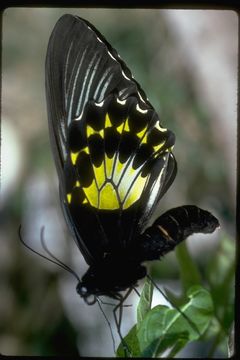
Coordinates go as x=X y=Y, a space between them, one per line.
x=110 y=276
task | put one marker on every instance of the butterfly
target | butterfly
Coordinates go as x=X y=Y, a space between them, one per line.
x=114 y=161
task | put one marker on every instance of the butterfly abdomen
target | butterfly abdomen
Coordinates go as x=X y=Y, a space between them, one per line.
x=173 y=227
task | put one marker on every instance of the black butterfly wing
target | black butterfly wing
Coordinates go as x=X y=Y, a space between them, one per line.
x=113 y=157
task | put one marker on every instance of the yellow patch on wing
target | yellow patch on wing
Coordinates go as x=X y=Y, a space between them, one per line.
x=158 y=147
x=144 y=139
x=99 y=174
x=115 y=184
x=135 y=192
x=103 y=195
x=135 y=182
x=108 y=198
x=126 y=126
x=120 y=128
x=91 y=131
x=118 y=170
x=107 y=121
x=141 y=133
x=109 y=166
x=91 y=193
x=69 y=198
x=74 y=157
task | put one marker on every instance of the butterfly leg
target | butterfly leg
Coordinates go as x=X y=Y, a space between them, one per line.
x=112 y=304
x=118 y=320
x=108 y=322
x=136 y=291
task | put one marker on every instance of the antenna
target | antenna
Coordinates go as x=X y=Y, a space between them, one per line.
x=55 y=261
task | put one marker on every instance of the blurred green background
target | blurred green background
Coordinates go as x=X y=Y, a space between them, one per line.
x=186 y=62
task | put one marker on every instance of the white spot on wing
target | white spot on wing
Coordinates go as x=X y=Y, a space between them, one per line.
x=79 y=117
x=100 y=104
x=141 y=110
x=99 y=39
x=121 y=102
x=112 y=56
x=141 y=97
x=157 y=126
x=123 y=73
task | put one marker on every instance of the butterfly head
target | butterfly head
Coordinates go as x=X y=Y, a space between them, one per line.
x=88 y=288
x=87 y=295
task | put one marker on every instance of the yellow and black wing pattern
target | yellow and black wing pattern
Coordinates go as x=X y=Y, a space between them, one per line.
x=114 y=158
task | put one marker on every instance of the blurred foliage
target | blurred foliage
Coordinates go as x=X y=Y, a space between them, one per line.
x=33 y=318
x=36 y=318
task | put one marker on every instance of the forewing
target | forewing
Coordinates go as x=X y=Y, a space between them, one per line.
x=113 y=157
x=80 y=66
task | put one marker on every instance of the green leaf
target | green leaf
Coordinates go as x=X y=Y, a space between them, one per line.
x=222 y=262
x=132 y=342
x=174 y=341
x=189 y=273
x=151 y=349
x=179 y=344
x=166 y=325
x=145 y=301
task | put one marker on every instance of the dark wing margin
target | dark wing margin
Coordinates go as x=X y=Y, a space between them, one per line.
x=173 y=227
x=74 y=231
x=81 y=66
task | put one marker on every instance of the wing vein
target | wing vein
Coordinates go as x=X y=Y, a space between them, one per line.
x=74 y=86
x=65 y=73
x=100 y=83
x=80 y=105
